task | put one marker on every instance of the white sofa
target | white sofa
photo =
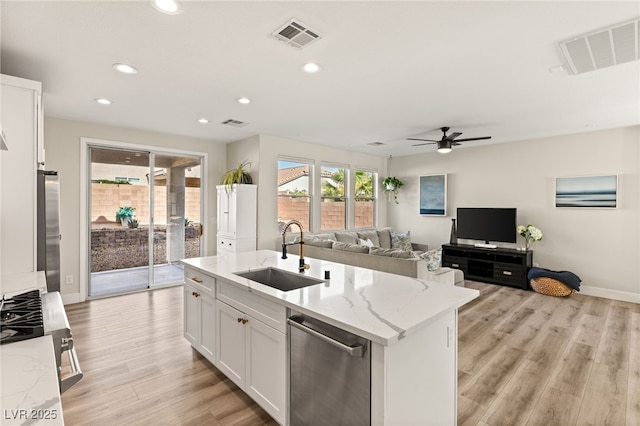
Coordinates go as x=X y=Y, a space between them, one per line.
x=349 y=247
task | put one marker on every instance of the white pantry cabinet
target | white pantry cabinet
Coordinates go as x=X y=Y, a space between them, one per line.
x=237 y=218
x=21 y=123
x=199 y=313
x=251 y=353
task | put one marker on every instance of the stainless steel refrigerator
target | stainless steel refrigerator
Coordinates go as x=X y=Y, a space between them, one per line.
x=49 y=227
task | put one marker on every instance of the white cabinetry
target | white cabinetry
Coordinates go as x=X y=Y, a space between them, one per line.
x=199 y=312
x=237 y=217
x=248 y=351
x=21 y=122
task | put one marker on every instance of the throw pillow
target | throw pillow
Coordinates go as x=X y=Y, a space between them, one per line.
x=338 y=245
x=366 y=243
x=401 y=241
x=434 y=259
x=371 y=235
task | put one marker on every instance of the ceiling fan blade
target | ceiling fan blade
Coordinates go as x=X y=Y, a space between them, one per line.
x=452 y=136
x=474 y=139
x=425 y=140
x=419 y=144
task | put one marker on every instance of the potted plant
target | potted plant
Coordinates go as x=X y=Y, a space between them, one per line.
x=124 y=215
x=390 y=185
x=237 y=175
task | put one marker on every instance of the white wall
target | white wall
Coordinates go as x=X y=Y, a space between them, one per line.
x=264 y=151
x=62 y=144
x=599 y=245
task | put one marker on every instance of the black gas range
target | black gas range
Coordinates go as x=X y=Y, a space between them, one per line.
x=34 y=314
x=21 y=317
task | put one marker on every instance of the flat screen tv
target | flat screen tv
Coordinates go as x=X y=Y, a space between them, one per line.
x=487 y=224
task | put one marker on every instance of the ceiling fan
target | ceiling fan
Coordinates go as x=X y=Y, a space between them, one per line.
x=445 y=144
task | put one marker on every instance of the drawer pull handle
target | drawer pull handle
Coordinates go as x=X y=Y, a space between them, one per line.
x=243 y=320
x=196 y=279
x=507 y=273
x=455 y=265
x=196 y=294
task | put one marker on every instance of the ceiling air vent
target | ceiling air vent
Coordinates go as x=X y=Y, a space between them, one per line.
x=296 y=34
x=375 y=143
x=234 y=123
x=603 y=48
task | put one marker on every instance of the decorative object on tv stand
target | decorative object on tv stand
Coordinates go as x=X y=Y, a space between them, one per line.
x=530 y=233
x=391 y=185
x=124 y=215
x=453 y=239
x=433 y=195
x=237 y=175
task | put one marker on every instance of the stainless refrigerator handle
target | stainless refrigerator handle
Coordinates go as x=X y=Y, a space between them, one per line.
x=357 y=351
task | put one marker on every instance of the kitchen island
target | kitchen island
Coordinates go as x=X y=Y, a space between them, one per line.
x=411 y=323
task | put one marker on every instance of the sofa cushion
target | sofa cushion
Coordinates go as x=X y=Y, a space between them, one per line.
x=371 y=235
x=384 y=237
x=325 y=236
x=433 y=258
x=401 y=240
x=350 y=237
x=379 y=251
x=339 y=245
x=318 y=242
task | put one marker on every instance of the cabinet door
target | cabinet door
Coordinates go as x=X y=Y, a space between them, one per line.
x=265 y=370
x=230 y=342
x=206 y=323
x=191 y=316
x=223 y=212
x=19 y=121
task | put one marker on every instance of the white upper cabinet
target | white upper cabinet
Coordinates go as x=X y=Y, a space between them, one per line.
x=21 y=123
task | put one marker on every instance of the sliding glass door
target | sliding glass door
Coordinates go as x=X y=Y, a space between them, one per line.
x=144 y=214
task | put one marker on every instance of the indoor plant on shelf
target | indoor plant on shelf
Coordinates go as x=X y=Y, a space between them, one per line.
x=124 y=215
x=390 y=185
x=237 y=175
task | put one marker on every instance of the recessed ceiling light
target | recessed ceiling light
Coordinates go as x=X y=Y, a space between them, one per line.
x=311 y=68
x=125 y=69
x=170 y=7
x=244 y=100
x=203 y=121
x=103 y=101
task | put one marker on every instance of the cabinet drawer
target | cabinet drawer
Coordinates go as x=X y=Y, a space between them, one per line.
x=235 y=245
x=455 y=262
x=270 y=313
x=508 y=273
x=201 y=281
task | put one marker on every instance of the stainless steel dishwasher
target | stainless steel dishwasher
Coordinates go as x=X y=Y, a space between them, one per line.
x=330 y=374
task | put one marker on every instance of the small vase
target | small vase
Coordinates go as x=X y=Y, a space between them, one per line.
x=453 y=239
x=527 y=244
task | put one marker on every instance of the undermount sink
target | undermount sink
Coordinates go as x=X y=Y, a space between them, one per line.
x=279 y=279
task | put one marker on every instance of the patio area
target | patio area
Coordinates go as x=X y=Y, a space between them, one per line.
x=134 y=279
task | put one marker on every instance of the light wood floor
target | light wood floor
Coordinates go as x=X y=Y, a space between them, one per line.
x=524 y=359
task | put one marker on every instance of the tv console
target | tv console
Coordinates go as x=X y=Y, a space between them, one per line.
x=496 y=265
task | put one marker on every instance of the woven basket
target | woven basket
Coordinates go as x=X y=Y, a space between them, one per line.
x=551 y=287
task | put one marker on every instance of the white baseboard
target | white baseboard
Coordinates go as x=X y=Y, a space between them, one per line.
x=69 y=299
x=610 y=294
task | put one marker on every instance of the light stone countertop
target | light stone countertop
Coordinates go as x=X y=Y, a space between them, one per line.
x=12 y=284
x=376 y=305
x=30 y=392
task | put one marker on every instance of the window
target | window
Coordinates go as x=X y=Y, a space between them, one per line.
x=294 y=193
x=333 y=206
x=365 y=199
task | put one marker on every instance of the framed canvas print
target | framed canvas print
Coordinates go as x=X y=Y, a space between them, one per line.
x=587 y=191
x=433 y=195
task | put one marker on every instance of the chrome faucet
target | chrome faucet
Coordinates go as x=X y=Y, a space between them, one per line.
x=302 y=266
